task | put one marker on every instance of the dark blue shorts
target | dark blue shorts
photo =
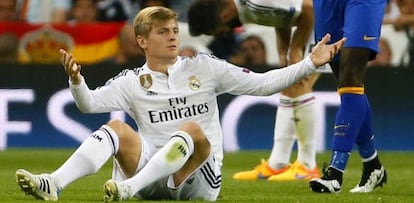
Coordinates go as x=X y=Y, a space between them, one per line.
x=357 y=20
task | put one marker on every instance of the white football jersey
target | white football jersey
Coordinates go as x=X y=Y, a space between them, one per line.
x=160 y=103
x=275 y=13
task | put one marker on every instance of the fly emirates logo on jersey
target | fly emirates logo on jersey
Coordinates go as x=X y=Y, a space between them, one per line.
x=178 y=109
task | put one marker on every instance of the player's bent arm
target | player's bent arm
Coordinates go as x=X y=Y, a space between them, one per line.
x=101 y=100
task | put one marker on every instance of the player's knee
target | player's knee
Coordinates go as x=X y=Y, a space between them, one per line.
x=116 y=124
x=307 y=6
x=194 y=130
x=119 y=127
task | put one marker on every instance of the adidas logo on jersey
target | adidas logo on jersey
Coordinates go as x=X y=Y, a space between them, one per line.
x=151 y=93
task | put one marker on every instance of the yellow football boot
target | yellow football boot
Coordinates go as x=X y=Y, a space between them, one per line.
x=297 y=172
x=261 y=171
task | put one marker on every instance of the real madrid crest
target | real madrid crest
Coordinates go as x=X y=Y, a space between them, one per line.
x=145 y=80
x=194 y=83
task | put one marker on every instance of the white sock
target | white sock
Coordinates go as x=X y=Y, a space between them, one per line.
x=284 y=134
x=169 y=159
x=90 y=156
x=306 y=129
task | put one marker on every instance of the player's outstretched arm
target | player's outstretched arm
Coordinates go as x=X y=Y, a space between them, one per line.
x=323 y=53
x=71 y=67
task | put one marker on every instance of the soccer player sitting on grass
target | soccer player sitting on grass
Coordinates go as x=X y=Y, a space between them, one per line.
x=177 y=153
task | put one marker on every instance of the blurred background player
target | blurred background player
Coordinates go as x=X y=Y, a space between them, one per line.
x=9 y=44
x=384 y=56
x=45 y=11
x=84 y=11
x=8 y=11
x=187 y=51
x=296 y=117
x=251 y=53
x=353 y=125
x=128 y=52
x=8 y=41
x=405 y=22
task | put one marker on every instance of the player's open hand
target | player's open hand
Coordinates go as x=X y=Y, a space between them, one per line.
x=323 y=53
x=71 y=67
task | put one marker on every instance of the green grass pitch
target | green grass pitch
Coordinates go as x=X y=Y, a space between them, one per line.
x=399 y=165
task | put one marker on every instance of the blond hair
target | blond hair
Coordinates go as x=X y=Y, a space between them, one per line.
x=150 y=16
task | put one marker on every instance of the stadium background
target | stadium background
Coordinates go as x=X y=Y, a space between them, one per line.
x=37 y=110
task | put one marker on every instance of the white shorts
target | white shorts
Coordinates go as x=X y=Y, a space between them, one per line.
x=204 y=183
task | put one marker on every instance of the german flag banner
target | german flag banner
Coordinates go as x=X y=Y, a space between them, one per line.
x=39 y=43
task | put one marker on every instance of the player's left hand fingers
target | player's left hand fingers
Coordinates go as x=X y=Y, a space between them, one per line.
x=336 y=47
x=325 y=39
x=339 y=44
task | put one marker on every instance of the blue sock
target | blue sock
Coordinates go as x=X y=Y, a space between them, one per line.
x=339 y=160
x=367 y=149
x=365 y=139
x=348 y=122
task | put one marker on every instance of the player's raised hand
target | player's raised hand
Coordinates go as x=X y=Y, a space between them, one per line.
x=71 y=67
x=322 y=53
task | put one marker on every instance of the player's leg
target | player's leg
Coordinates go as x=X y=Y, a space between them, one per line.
x=348 y=119
x=306 y=124
x=87 y=159
x=204 y=183
x=299 y=93
x=284 y=134
x=186 y=150
x=354 y=109
x=373 y=173
x=328 y=19
x=347 y=124
x=284 y=129
x=283 y=139
x=302 y=34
